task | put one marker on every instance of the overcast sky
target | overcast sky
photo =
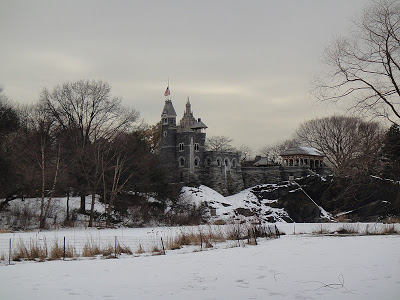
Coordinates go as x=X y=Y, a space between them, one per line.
x=247 y=66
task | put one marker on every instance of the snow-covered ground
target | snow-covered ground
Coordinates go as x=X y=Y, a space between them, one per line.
x=292 y=267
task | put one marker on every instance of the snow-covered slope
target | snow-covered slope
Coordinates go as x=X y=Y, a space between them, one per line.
x=258 y=203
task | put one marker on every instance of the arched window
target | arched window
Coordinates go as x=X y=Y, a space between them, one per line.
x=208 y=162
x=196 y=161
x=181 y=147
x=234 y=163
x=196 y=147
x=226 y=162
x=218 y=161
x=181 y=162
x=165 y=133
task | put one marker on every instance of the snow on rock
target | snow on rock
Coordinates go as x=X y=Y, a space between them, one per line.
x=242 y=206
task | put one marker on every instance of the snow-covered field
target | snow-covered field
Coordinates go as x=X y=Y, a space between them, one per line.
x=295 y=266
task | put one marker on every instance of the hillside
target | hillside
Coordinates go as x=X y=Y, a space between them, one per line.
x=307 y=200
x=283 y=202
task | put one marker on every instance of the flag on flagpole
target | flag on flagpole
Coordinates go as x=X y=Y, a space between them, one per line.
x=167 y=92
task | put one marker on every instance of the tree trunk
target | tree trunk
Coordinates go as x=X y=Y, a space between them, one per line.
x=68 y=206
x=42 y=219
x=92 y=210
x=83 y=203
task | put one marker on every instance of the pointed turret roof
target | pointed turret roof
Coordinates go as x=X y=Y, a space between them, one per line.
x=168 y=109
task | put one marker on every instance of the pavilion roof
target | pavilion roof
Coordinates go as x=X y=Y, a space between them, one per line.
x=302 y=150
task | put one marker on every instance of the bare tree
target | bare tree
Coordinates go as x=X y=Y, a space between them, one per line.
x=88 y=108
x=246 y=152
x=349 y=143
x=9 y=125
x=272 y=152
x=36 y=157
x=219 y=143
x=365 y=67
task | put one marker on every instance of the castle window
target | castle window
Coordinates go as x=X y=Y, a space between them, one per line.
x=165 y=133
x=234 y=163
x=181 y=162
x=165 y=121
x=196 y=161
x=208 y=162
x=218 y=162
x=181 y=147
x=196 y=147
x=226 y=161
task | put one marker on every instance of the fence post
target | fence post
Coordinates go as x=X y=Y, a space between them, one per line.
x=64 y=250
x=278 y=234
x=115 y=246
x=201 y=241
x=162 y=244
x=255 y=236
x=9 y=254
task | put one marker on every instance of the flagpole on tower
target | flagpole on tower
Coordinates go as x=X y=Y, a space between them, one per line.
x=167 y=92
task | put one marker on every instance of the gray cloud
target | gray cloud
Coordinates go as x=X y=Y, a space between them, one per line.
x=246 y=65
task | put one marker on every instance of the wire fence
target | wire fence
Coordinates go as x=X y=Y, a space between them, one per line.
x=75 y=246
x=43 y=247
x=64 y=245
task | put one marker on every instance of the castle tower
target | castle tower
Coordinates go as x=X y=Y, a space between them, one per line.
x=168 y=133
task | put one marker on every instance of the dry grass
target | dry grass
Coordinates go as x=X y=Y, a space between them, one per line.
x=391 y=220
x=31 y=252
x=321 y=229
x=202 y=237
x=219 y=222
x=140 y=250
x=56 y=251
x=3 y=230
x=91 y=250
x=390 y=229
x=123 y=249
x=37 y=251
x=155 y=249
x=348 y=229
x=342 y=219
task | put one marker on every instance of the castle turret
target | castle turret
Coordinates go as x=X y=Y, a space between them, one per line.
x=168 y=132
x=187 y=120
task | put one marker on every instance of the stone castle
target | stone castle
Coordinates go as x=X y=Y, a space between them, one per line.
x=183 y=149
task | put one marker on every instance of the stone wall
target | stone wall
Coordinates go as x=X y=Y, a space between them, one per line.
x=253 y=176
x=260 y=175
x=222 y=172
